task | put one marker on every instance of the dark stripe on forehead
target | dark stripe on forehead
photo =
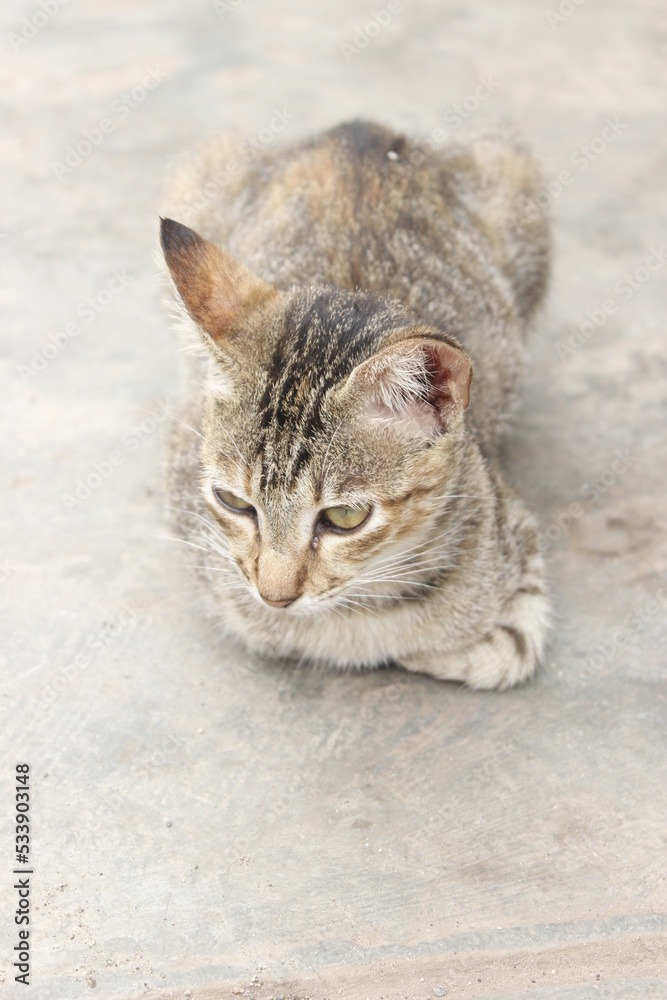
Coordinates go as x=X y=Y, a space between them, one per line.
x=342 y=315
x=321 y=344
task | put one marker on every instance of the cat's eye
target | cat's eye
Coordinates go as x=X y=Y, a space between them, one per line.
x=345 y=518
x=231 y=500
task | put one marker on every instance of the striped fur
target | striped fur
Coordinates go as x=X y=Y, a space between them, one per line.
x=336 y=370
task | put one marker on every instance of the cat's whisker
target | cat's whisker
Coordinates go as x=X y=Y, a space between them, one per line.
x=238 y=451
x=210 y=569
x=403 y=579
x=392 y=589
x=382 y=565
x=242 y=467
x=416 y=560
x=182 y=423
x=183 y=541
x=208 y=549
x=228 y=586
x=411 y=554
x=392 y=573
x=431 y=554
x=354 y=606
x=461 y=496
x=211 y=525
x=492 y=498
x=243 y=598
x=203 y=566
x=227 y=577
x=213 y=471
x=408 y=575
x=447 y=532
x=325 y=468
x=331 y=608
x=213 y=547
x=388 y=597
x=223 y=555
x=173 y=419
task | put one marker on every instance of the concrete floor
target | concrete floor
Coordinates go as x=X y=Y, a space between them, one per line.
x=204 y=823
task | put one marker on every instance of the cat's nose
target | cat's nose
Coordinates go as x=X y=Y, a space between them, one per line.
x=279 y=604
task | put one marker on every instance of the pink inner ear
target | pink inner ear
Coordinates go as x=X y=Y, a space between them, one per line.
x=449 y=374
x=420 y=384
x=419 y=418
x=438 y=379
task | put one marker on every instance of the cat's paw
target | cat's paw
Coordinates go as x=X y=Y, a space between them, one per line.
x=506 y=656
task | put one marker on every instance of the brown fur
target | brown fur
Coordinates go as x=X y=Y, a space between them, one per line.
x=337 y=372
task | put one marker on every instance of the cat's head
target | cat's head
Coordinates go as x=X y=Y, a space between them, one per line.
x=333 y=425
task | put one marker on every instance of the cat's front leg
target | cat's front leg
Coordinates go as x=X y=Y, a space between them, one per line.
x=507 y=655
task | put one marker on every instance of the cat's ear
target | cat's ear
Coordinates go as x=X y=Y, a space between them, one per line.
x=424 y=383
x=217 y=290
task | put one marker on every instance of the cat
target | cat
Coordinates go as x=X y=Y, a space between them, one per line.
x=341 y=487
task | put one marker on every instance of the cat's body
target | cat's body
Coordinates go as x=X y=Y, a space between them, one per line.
x=340 y=385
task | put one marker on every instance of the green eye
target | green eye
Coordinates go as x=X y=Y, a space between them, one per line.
x=230 y=500
x=345 y=518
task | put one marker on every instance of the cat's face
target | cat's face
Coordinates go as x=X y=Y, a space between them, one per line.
x=332 y=426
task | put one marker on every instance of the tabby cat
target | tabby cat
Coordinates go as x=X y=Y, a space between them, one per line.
x=341 y=487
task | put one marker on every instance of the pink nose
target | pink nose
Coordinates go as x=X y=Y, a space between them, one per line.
x=278 y=604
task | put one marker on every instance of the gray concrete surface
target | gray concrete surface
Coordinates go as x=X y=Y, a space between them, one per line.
x=201 y=819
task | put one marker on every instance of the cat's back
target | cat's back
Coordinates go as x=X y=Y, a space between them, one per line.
x=360 y=206
x=297 y=214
